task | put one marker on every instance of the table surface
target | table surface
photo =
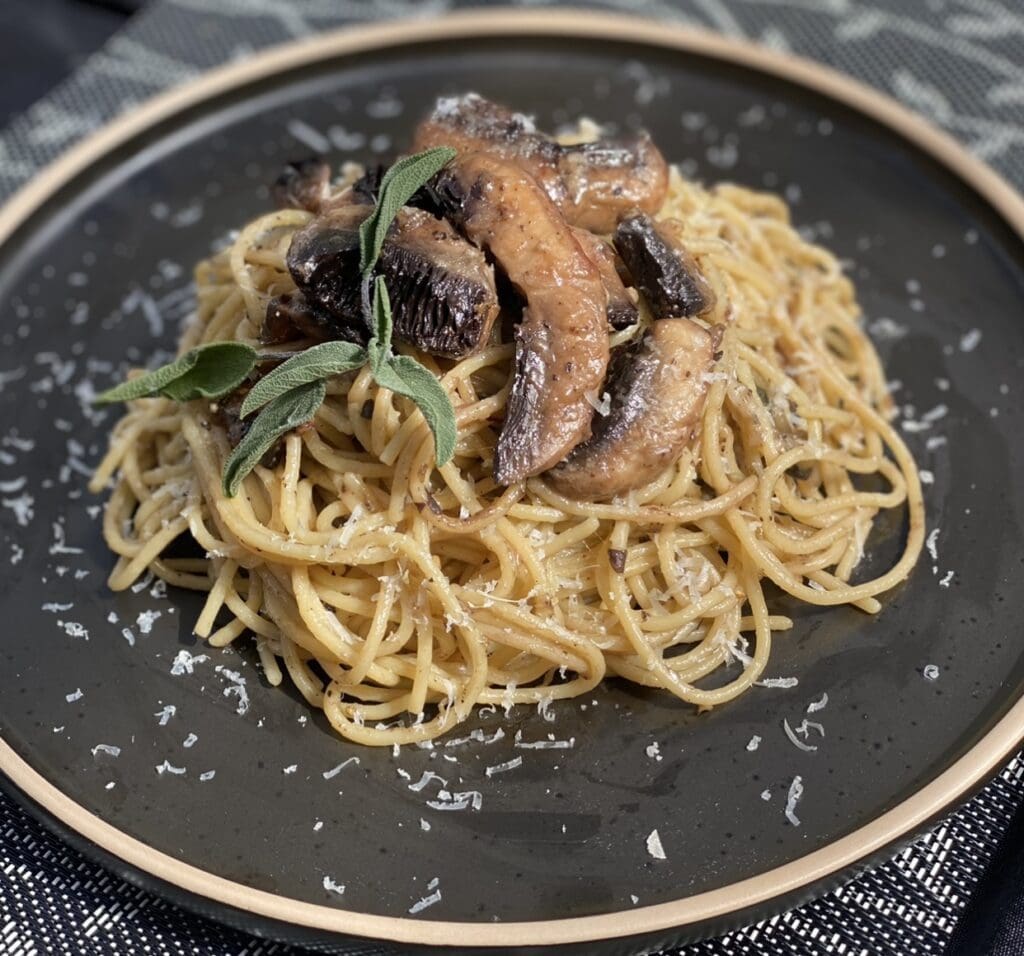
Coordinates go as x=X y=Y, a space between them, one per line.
x=53 y=900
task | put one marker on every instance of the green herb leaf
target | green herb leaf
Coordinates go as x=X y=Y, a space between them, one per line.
x=379 y=347
x=312 y=365
x=207 y=371
x=278 y=417
x=397 y=187
x=405 y=376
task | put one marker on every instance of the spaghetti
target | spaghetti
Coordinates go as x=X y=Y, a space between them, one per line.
x=397 y=596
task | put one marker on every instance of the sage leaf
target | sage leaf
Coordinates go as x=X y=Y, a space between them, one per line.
x=405 y=376
x=397 y=187
x=379 y=346
x=207 y=371
x=319 y=362
x=278 y=417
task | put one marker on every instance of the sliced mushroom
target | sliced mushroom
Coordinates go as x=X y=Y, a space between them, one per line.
x=667 y=276
x=657 y=387
x=442 y=290
x=607 y=178
x=304 y=184
x=592 y=183
x=365 y=188
x=622 y=310
x=442 y=287
x=290 y=317
x=562 y=340
x=323 y=259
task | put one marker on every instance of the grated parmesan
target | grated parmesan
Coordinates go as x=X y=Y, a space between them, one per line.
x=167 y=767
x=795 y=740
x=334 y=771
x=796 y=792
x=782 y=683
x=503 y=767
x=654 y=847
x=815 y=705
x=549 y=744
x=333 y=887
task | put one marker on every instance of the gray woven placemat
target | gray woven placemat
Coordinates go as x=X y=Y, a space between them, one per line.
x=958 y=62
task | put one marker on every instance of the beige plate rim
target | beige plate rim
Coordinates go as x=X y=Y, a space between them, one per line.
x=965 y=774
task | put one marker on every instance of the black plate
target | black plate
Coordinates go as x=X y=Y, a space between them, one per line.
x=99 y=276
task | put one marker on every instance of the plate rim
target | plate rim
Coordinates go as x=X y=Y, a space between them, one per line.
x=800 y=875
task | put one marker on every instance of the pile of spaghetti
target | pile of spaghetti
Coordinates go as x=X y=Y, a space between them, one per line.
x=397 y=596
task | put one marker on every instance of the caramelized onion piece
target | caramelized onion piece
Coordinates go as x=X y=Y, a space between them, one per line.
x=562 y=340
x=658 y=386
x=303 y=184
x=667 y=276
x=592 y=183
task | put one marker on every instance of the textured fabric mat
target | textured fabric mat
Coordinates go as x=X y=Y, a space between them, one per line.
x=960 y=63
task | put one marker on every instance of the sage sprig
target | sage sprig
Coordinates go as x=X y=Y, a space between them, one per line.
x=279 y=416
x=289 y=395
x=405 y=376
x=400 y=374
x=315 y=363
x=207 y=371
x=399 y=184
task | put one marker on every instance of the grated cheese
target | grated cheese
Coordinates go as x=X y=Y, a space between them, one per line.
x=795 y=740
x=503 y=767
x=334 y=771
x=815 y=705
x=654 y=847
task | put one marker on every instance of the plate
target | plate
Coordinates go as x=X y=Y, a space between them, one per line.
x=208 y=784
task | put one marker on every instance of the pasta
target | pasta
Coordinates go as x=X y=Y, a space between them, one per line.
x=397 y=596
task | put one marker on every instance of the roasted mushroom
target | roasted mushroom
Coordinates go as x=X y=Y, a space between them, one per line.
x=290 y=317
x=304 y=184
x=665 y=273
x=622 y=310
x=323 y=259
x=592 y=183
x=562 y=340
x=607 y=178
x=657 y=388
x=442 y=288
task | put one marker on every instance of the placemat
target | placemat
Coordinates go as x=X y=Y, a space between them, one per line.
x=958 y=62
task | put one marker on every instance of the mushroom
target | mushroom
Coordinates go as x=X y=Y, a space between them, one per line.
x=592 y=183
x=607 y=178
x=657 y=388
x=290 y=316
x=622 y=310
x=667 y=276
x=442 y=288
x=562 y=340
x=303 y=184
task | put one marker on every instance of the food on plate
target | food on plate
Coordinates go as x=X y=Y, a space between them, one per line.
x=504 y=418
